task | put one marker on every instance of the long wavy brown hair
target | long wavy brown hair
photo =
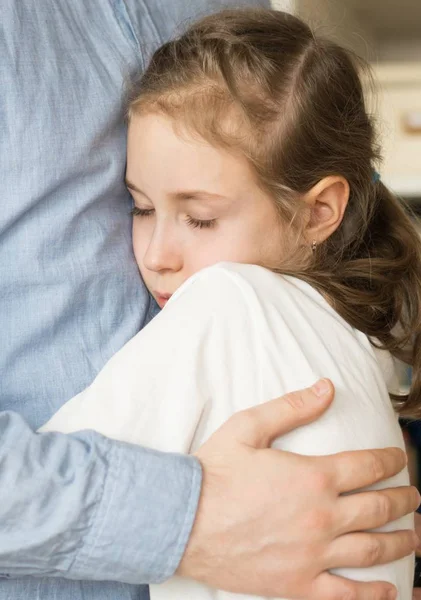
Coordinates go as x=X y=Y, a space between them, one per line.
x=261 y=83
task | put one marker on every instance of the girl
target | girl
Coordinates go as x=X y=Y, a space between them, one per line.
x=249 y=142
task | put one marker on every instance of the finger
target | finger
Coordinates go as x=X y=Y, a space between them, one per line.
x=263 y=423
x=368 y=549
x=369 y=510
x=416 y=594
x=357 y=469
x=332 y=587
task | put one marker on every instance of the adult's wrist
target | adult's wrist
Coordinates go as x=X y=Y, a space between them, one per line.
x=145 y=517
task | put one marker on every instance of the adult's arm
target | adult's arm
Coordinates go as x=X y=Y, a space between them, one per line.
x=84 y=506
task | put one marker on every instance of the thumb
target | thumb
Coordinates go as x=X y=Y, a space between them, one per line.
x=276 y=417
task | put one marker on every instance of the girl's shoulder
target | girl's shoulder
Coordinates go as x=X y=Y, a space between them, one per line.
x=236 y=283
x=235 y=296
x=245 y=277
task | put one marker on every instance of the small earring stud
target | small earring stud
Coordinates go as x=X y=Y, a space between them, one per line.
x=313 y=246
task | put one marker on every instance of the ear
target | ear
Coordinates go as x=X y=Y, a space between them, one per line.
x=327 y=201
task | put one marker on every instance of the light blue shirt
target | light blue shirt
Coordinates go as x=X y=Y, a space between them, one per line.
x=76 y=511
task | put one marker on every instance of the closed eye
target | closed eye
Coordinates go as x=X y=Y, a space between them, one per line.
x=201 y=224
x=141 y=212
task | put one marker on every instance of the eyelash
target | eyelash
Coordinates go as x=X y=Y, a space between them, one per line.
x=200 y=224
x=196 y=223
x=141 y=212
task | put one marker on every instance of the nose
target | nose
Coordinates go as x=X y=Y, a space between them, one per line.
x=163 y=252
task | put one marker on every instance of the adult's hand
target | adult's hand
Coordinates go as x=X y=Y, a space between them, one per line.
x=262 y=530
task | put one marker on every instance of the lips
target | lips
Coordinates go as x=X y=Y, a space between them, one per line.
x=161 y=299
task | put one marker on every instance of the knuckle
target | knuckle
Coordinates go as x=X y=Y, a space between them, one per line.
x=320 y=482
x=376 y=467
x=372 y=552
x=295 y=400
x=384 y=507
x=319 y=520
x=349 y=594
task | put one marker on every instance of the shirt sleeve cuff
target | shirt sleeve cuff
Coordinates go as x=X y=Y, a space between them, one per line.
x=144 y=519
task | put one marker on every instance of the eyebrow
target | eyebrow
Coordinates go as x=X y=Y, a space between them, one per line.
x=181 y=195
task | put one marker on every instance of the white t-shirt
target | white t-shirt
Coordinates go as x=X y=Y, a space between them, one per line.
x=231 y=337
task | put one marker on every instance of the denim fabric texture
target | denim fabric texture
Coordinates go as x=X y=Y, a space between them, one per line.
x=76 y=510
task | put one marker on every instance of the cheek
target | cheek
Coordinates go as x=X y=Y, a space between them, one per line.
x=140 y=242
x=259 y=242
x=202 y=250
x=228 y=245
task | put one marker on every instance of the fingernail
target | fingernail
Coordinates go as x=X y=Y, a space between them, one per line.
x=321 y=388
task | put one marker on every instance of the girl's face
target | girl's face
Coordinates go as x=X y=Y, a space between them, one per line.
x=195 y=205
